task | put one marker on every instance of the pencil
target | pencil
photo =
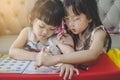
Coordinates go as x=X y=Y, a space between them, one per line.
x=83 y=67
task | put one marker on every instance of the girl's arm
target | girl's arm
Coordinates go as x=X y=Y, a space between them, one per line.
x=65 y=43
x=66 y=70
x=16 y=50
x=95 y=50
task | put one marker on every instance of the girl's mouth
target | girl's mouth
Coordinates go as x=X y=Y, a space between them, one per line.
x=73 y=30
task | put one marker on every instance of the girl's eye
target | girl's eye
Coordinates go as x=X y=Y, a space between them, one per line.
x=67 y=19
x=41 y=26
x=52 y=29
x=76 y=19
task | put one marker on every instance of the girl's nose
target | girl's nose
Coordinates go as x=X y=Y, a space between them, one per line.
x=71 y=26
x=71 y=23
x=44 y=32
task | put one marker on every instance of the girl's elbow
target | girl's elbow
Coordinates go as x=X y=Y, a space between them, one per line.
x=96 y=55
x=11 y=53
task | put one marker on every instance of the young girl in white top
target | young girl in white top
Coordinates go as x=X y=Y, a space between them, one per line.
x=90 y=37
x=45 y=17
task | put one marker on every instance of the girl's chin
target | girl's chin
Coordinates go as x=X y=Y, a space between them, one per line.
x=74 y=32
x=43 y=37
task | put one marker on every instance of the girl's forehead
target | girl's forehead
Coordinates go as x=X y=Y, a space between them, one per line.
x=69 y=11
x=42 y=23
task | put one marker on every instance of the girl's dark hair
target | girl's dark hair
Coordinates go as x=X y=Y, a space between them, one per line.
x=49 y=11
x=90 y=9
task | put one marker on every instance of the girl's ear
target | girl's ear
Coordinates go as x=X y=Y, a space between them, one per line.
x=90 y=20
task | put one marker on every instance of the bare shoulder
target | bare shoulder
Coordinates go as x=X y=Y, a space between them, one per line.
x=24 y=33
x=22 y=38
x=25 y=30
x=100 y=34
x=98 y=41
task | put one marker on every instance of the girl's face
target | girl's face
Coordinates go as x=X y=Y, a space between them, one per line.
x=77 y=24
x=42 y=30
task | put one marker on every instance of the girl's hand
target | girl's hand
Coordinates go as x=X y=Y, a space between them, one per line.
x=44 y=59
x=65 y=38
x=67 y=71
x=65 y=43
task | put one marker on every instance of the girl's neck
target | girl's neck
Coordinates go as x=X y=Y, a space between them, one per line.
x=80 y=36
x=79 y=40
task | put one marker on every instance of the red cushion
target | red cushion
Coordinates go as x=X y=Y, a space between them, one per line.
x=104 y=70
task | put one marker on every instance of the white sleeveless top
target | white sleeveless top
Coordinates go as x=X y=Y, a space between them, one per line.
x=31 y=45
x=91 y=39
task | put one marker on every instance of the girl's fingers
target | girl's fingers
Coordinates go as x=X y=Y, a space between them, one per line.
x=77 y=71
x=43 y=49
x=71 y=73
x=37 y=66
x=64 y=31
x=38 y=62
x=66 y=73
x=61 y=35
x=62 y=71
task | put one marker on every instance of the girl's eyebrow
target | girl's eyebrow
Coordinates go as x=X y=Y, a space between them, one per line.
x=41 y=23
x=67 y=17
x=53 y=28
